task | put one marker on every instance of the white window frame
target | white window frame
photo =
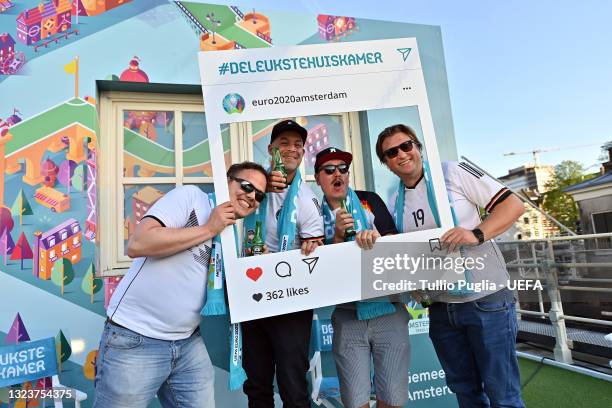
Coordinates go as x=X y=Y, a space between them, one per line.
x=110 y=208
x=352 y=142
x=112 y=261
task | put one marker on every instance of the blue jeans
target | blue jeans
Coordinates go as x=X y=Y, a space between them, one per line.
x=132 y=368
x=475 y=343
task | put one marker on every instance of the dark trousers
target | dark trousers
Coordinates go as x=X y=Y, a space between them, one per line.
x=278 y=343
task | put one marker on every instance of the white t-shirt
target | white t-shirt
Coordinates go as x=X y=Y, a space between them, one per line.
x=469 y=190
x=162 y=297
x=309 y=217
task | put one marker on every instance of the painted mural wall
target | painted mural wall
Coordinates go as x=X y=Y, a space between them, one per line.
x=51 y=54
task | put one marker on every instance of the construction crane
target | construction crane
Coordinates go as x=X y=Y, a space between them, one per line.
x=536 y=152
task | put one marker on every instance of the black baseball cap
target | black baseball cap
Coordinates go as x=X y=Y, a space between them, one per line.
x=288 y=126
x=332 y=153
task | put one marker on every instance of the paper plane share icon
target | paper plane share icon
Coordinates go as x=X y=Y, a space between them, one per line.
x=311 y=262
x=405 y=52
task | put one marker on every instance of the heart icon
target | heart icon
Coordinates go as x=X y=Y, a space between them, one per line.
x=254 y=273
x=257 y=297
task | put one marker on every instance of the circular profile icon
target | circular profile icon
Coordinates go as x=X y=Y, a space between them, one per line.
x=233 y=103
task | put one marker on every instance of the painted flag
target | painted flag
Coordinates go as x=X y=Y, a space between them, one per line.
x=71 y=67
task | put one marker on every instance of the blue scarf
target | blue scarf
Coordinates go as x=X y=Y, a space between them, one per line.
x=398 y=216
x=287 y=220
x=215 y=306
x=366 y=309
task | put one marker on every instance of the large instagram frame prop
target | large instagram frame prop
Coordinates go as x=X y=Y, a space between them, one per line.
x=375 y=75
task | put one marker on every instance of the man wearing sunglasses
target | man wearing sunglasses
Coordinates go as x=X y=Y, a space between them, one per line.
x=376 y=330
x=473 y=332
x=291 y=219
x=151 y=342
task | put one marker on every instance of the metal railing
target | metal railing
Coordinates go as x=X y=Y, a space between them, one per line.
x=556 y=262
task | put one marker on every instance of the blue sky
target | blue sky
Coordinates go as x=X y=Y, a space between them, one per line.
x=522 y=74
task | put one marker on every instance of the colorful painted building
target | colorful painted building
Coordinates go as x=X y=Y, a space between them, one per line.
x=316 y=141
x=44 y=21
x=143 y=200
x=63 y=241
x=7 y=49
x=332 y=27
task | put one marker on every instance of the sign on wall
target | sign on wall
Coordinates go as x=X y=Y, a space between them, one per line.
x=27 y=361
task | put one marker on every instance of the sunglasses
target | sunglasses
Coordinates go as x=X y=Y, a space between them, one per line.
x=405 y=147
x=331 y=168
x=248 y=188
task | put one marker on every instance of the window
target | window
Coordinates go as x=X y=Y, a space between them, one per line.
x=52 y=254
x=64 y=234
x=75 y=228
x=602 y=223
x=75 y=241
x=64 y=248
x=51 y=242
x=154 y=142
x=337 y=130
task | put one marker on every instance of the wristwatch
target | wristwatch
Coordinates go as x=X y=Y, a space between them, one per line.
x=479 y=235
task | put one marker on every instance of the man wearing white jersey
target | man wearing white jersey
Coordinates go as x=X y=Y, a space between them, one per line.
x=292 y=219
x=473 y=332
x=151 y=342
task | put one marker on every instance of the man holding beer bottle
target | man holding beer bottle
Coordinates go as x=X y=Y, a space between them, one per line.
x=289 y=218
x=363 y=331
x=473 y=332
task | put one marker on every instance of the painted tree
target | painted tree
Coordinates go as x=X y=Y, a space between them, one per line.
x=6 y=219
x=17 y=333
x=89 y=368
x=63 y=349
x=6 y=244
x=62 y=273
x=21 y=206
x=22 y=250
x=79 y=178
x=91 y=285
x=66 y=171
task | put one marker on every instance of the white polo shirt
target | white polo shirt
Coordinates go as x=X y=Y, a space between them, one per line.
x=162 y=297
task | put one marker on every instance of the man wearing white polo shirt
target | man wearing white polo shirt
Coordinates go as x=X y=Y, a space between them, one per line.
x=151 y=342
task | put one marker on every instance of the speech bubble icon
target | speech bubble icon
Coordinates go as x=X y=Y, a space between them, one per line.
x=435 y=244
x=283 y=269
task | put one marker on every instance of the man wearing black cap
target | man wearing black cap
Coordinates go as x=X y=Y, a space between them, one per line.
x=363 y=331
x=292 y=219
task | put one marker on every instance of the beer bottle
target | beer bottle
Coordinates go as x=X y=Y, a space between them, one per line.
x=349 y=232
x=277 y=163
x=426 y=300
x=257 y=245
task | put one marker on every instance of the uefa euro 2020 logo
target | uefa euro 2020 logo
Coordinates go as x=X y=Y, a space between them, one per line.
x=233 y=103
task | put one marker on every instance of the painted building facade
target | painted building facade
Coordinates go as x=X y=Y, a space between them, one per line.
x=60 y=122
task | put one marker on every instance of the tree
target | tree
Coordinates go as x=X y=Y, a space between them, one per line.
x=6 y=244
x=22 y=250
x=62 y=273
x=91 y=285
x=559 y=204
x=89 y=368
x=21 y=206
x=6 y=219
x=63 y=349
x=17 y=333
x=79 y=177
